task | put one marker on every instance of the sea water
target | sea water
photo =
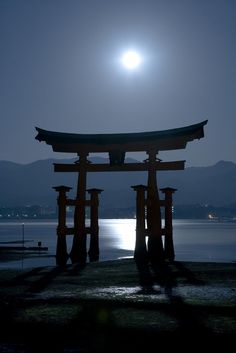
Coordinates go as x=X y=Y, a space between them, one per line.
x=194 y=240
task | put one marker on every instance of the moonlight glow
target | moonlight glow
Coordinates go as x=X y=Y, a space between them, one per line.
x=131 y=60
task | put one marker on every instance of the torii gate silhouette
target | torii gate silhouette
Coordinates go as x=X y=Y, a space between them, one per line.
x=148 y=211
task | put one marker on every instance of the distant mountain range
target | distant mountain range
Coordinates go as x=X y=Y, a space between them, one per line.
x=32 y=184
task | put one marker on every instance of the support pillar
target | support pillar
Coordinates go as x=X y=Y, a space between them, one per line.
x=140 y=251
x=168 y=242
x=94 y=227
x=61 y=250
x=155 y=246
x=78 y=252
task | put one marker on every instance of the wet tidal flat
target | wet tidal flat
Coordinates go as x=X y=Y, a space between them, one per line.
x=94 y=306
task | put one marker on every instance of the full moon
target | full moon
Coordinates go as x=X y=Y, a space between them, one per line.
x=131 y=60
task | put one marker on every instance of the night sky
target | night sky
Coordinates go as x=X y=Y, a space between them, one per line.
x=60 y=70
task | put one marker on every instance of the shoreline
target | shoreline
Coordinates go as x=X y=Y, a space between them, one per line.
x=20 y=254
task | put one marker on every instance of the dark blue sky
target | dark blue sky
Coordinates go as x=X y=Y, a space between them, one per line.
x=59 y=70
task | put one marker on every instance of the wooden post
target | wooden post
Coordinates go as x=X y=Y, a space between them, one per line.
x=140 y=251
x=94 y=228
x=78 y=252
x=169 y=245
x=155 y=246
x=61 y=251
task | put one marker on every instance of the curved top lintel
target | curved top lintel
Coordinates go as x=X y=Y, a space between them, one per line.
x=140 y=141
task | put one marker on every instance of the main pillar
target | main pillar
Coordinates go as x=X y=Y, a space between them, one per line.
x=155 y=246
x=78 y=252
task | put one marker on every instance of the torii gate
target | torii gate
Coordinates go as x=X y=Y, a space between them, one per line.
x=148 y=209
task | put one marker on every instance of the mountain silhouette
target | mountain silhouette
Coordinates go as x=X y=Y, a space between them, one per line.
x=31 y=184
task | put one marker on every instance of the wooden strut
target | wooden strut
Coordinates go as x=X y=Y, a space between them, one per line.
x=140 y=250
x=78 y=252
x=142 y=254
x=94 y=227
x=61 y=250
x=169 y=252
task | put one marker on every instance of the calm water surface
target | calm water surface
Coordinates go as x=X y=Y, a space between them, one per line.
x=194 y=240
